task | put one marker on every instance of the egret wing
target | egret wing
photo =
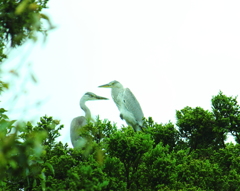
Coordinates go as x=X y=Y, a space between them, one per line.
x=75 y=126
x=132 y=105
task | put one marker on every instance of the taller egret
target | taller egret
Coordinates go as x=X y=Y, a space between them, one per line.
x=81 y=121
x=130 y=109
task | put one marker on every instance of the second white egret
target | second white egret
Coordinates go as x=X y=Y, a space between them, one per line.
x=130 y=109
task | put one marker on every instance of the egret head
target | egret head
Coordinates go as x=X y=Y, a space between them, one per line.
x=112 y=84
x=91 y=96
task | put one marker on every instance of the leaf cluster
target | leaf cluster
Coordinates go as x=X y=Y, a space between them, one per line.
x=20 y=20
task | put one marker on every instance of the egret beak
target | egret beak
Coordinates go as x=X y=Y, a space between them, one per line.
x=105 y=86
x=101 y=98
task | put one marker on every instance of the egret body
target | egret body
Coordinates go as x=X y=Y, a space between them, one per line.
x=130 y=109
x=81 y=121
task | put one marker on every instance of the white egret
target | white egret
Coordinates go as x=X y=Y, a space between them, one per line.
x=81 y=121
x=130 y=109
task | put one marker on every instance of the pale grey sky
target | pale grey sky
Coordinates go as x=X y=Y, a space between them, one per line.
x=171 y=54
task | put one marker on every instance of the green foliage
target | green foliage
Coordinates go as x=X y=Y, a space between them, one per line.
x=227 y=115
x=23 y=151
x=167 y=134
x=156 y=159
x=201 y=173
x=129 y=147
x=196 y=126
x=158 y=168
x=3 y=86
x=19 y=21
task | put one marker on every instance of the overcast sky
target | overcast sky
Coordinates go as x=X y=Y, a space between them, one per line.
x=171 y=54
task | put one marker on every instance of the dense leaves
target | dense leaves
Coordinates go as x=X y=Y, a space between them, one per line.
x=20 y=20
x=227 y=115
x=196 y=125
x=191 y=156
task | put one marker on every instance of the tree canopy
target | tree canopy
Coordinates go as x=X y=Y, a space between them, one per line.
x=191 y=155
